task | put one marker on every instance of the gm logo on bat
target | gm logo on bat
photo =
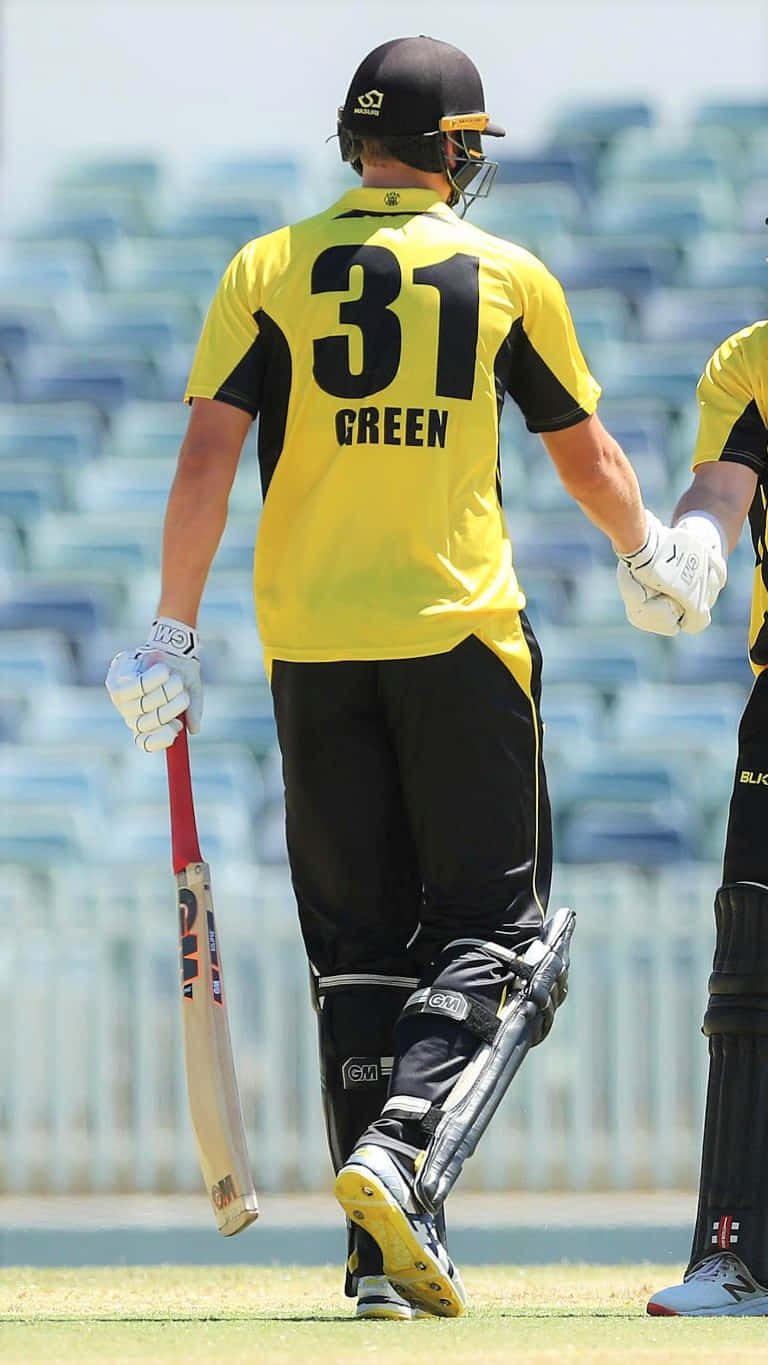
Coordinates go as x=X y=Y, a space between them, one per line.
x=190 y=951
x=223 y=1192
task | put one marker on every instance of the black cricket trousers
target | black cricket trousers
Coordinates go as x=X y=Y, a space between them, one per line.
x=416 y=805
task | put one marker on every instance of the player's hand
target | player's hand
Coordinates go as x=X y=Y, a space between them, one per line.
x=684 y=563
x=153 y=686
x=652 y=611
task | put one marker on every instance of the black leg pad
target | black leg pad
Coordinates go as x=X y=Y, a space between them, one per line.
x=733 y=1191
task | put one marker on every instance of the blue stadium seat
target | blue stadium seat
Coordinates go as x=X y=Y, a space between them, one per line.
x=277 y=172
x=573 y=166
x=732 y=606
x=632 y=264
x=103 y=376
x=144 y=429
x=12 y=555
x=30 y=489
x=642 y=426
x=122 y=485
x=13 y=710
x=140 y=174
x=56 y=775
x=627 y=832
x=596 y=602
x=31 y=601
x=697 y=157
x=142 y=833
x=62 y=713
x=718 y=655
x=677 y=213
x=601 y=120
x=613 y=775
x=173 y=367
x=113 y=542
x=59 y=431
x=227 y=601
x=25 y=323
x=547 y=597
x=741 y=116
x=564 y=542
x=526 y=213
x=193 y=265
x=237 y=217
x=94 y=215
x=706 y=315
x=601 y=315
x=689 y=718
x=223 y=775
x=240 y=715
x=51 y=268
x=574 y=719
x=153 y=319
x=661 y=370
x=236 y=546
x=607 y=658
x=39 y=835
x=728 y=260
x=752 y=203
x=34 y=657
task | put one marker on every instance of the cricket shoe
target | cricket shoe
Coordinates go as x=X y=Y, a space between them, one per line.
x=721 y=1286
x=378 y=1299
x=376 y=1194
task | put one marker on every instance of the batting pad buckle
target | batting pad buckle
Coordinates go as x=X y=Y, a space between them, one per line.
x=521 y=1024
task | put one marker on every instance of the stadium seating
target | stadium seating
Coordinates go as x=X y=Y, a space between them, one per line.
x=656 y=234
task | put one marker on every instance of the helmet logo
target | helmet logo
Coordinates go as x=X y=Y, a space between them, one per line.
x=370 y=102
x=391 y=198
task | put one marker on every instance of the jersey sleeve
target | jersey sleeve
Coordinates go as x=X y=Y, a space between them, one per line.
x=227 y=363
x=548 y=377
x=731 y=425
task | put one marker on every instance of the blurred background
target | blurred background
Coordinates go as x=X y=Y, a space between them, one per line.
x=141 y=143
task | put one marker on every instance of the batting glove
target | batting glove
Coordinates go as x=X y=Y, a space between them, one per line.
x=683 y=563
x=154 y=685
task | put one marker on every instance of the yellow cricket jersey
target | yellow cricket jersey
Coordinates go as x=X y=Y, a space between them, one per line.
x=733 y=425
x=376 y=342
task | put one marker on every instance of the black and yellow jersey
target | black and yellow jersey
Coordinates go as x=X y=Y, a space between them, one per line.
x=733 y=425
x=376 y=342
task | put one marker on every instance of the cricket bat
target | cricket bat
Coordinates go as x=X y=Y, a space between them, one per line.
x=214 y=1100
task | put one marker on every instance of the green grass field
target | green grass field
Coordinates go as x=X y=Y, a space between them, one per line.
x=178 y=1314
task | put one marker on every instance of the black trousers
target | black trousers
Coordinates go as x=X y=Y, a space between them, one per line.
x=746 y=840
x=416 y=805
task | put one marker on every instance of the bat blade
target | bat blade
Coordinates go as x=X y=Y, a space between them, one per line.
x=214 y=1100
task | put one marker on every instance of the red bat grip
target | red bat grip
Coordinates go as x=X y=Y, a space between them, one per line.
x=184 y=843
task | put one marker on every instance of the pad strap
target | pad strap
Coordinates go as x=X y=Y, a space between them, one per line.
x=472 y=1014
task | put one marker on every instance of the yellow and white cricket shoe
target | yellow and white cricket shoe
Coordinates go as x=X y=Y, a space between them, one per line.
x=375 y=1194
x=378 y=1299
x=720 y=1286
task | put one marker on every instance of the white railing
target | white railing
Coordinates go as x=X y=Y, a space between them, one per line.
x=91 y=1080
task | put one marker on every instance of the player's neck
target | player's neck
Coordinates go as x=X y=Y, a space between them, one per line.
x=395 y=175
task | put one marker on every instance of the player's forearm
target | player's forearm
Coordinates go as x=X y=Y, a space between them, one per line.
x=597 y=474
x=194 y=521
x=609 y=495
x=727 y=506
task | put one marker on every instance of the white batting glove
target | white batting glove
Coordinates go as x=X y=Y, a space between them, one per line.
x=154 y=685
x=652 y=611
x=685 y=563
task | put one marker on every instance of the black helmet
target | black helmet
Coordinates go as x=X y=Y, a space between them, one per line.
x=412 y=93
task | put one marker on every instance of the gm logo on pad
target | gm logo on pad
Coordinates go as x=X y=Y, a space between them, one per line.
x=358 y=1071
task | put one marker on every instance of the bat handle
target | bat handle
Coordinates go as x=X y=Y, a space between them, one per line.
x=185 y=847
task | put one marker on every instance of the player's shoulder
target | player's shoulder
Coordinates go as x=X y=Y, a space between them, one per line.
x=741 y=359
x=747 y=344
x=508 y=257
